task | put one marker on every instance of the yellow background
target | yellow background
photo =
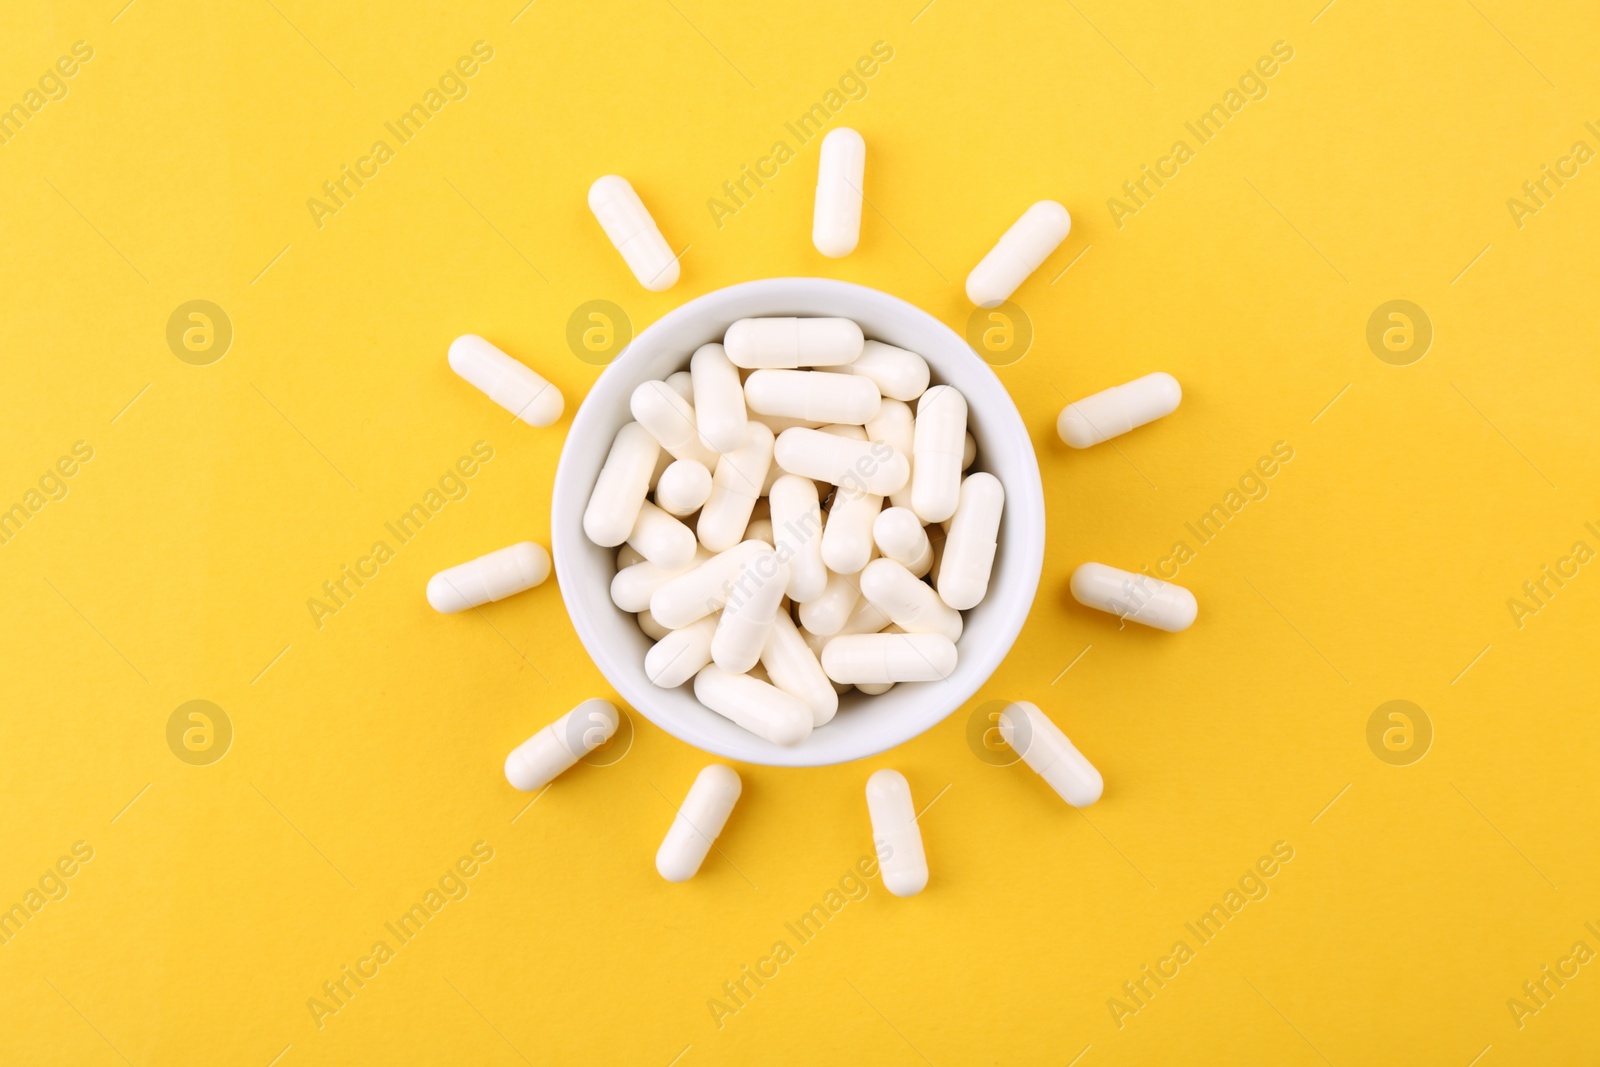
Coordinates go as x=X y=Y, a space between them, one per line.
x=366 y=754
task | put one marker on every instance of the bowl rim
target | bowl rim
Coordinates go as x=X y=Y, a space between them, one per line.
x=1024 y=547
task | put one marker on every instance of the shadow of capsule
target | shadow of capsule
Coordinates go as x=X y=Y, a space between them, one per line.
x=1000 y=335
x=1399 y=332
x=985 y=739
x=199 y=733
x=1399 y=733
x=199 y=332
x=598 y=331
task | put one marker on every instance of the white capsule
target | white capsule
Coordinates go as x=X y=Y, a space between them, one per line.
x=813 y=395
x=634 y=585
x=898 y=374
x=879 y=657
x=699 y=821
x=1119 y=409
x=671 y=421
x=969 y=545
x=679 y=655
x=825 y=615
x=841 y=167
x=940 y=432
x=899 y=535
x=682 y=384
x=1043 y=746
x=719 y=399
x=662 y=539
x=865 y=618
x=895 y=835
x=735 y=487
x=847 y=533
x=1018 y=253
x=633 y=232
x=909 y=603
x=652 y=629
x=789 y=342
x=757 y=706
x=627 y=556
x=512 y=385
x=494 y=576
x=698 y=592
x=797 y=535
x=747 y=617
x=969 y=451
x=536 y=762
x=843 y=460
x=758 y=530
x=683 y=487
x=623 y=484
x=895 y=426
x=779 y=423
x=1134 y=597
x=793 y=667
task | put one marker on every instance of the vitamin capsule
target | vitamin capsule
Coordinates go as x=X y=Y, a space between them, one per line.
x=788 y=343
x=1018 y=253
x=857 y=658
x=970 y=543
x=759 y=530
x=825 y=615
x=841 y=167
x=698 y=592
x=633 y=232
x=538 y=760
x=735 y=487
x=865 y=618
x=627 y=556
x=490 y=577
x=814 y=395
x=671 y=421
x=847 y=533
x=778 y=423
x=757 y=706
x=683 y=487
x=747 y=617
x=936 y=453
x=875 y=689
x=512 y=385
x=895 y=835
x=909 y=603
x=895 y=426
x=898 y=374
x=1119 y=409
x=679 y=655
x=797 y=529
x=719 y=399
x=634 y=585
x=704 y=813
x=899 y=535
x=969 y=451
x=662 y=539
x=1043 y=747
x=682 y=384
x=1134 y=597
x=868 y=466
x=652 y=629
x=794 y=668
x=620 y=490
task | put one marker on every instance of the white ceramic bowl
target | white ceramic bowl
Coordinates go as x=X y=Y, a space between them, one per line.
x=865 y=725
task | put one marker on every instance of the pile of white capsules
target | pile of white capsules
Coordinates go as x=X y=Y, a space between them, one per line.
x=794 y=521
x=748 y=500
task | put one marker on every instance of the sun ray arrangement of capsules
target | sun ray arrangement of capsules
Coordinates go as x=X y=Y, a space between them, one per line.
x=795 y=515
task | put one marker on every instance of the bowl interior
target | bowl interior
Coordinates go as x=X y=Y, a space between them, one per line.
x=865 y=725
